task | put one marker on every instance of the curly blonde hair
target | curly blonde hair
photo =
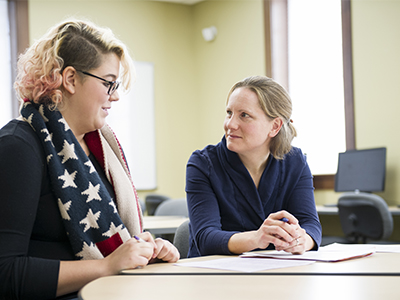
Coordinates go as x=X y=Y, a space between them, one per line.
x=276 y=103
x=75 y=43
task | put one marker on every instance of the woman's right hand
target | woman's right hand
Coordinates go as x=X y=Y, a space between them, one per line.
x=130 y=255
x=73 y=275
x=277 y=232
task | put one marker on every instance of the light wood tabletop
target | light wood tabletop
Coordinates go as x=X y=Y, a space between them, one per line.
x=241 y=287
x=372 y=277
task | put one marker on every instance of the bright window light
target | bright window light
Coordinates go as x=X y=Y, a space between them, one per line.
x=5 y=63
x=316 y=81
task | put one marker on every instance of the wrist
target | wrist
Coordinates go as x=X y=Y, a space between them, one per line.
x=243 y=242
x=310 y=244
x=106 y=267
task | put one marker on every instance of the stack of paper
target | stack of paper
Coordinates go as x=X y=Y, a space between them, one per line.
x=324 y=254
x=243 y=264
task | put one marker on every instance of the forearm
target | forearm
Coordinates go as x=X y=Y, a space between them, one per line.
x=73 y=275
x=242 y=242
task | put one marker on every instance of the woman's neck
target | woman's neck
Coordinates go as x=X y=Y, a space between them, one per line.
x=84 y=146
x=79 y=135
x=255 y=166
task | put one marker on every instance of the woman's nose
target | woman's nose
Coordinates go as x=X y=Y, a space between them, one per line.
x=232 y=123
x=114 y=96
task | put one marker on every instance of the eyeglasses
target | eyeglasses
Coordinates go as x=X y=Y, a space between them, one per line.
x=112 y=85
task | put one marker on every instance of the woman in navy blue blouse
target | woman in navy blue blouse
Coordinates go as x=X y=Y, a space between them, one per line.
x=252 y=190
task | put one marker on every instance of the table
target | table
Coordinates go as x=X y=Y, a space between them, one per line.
x=219 y=287
x=382 y=264
x=334 y=210
x=162 y=224
x=372 y=277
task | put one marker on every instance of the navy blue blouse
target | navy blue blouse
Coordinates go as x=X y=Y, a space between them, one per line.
x=223 y=199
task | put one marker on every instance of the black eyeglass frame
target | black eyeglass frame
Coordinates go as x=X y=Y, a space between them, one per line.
x=113 y=85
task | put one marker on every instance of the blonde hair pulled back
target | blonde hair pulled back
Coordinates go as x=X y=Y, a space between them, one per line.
x=275 y=101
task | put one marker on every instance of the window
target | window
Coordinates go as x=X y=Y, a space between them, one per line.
x=128 y=117
x=5 y=63
x=277 y=58
x=315 y=80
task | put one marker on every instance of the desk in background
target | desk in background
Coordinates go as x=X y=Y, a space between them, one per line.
x=333 y=210
x=162 y=224
x=329 y=217
x=169 y=224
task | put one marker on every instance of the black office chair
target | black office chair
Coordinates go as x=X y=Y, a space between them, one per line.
x=152 y=201
x=364 y=216
x=181 y=239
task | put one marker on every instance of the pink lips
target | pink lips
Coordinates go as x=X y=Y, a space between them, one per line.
x=231 y=136
x=105 y=109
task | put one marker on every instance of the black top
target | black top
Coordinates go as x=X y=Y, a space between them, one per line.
x=32 y=235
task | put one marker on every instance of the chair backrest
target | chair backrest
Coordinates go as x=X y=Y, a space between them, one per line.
x=181 y=239
x=142 y=205
x=153 y=201
x=172 y=207
x=365 y=216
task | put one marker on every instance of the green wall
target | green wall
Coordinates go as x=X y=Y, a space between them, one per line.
x=192 y=77
x=376 y=60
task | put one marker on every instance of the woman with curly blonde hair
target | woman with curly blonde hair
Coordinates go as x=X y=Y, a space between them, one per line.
x=69 y=210
x=252 y=190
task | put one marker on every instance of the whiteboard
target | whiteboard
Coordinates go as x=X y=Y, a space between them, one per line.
x=132 y=120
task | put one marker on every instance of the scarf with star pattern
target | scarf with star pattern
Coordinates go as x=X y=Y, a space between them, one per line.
x=95 y=223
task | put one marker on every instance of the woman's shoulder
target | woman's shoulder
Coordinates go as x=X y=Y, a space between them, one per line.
x=18 y=128
x=206 y=159
x=295 y=157
x=208 y=151
x=18 y=134
x=295 y=151
x=290 y=168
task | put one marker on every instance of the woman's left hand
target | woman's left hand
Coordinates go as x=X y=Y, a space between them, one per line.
x=165 y=251
x=298 y=245
x=301 y=243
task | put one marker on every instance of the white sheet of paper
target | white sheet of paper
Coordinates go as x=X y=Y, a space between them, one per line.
x=394 y=248
x=330 y=253
x=244 y=264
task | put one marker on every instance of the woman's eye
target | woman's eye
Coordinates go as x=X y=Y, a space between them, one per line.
x=244 y=115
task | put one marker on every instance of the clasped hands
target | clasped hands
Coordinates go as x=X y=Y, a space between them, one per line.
x=283 y=230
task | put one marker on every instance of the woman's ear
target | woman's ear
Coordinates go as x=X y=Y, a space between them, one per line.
x=276 y=126
x=69 y=79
